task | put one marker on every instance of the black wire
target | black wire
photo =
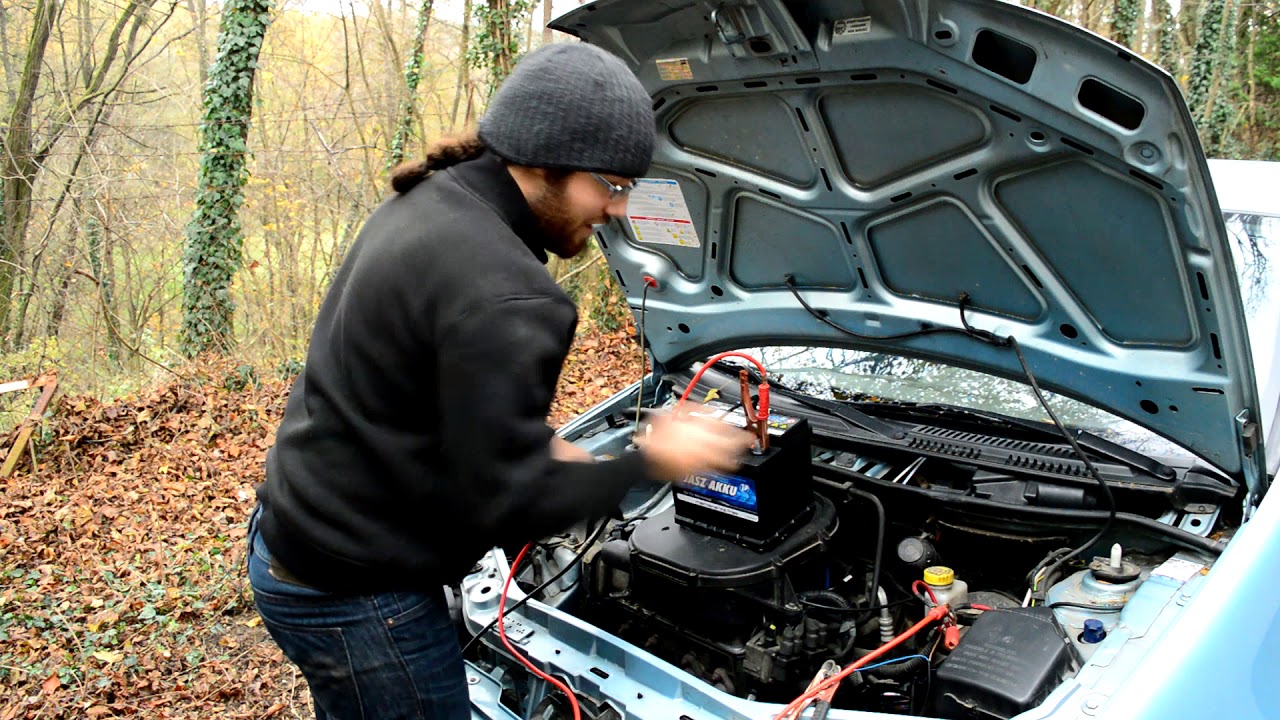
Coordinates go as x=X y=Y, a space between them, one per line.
x=1106 y=489
x=790 y=281
x=875 y=567
x=873 y=608
x=1087 y=606
x=644 y=301
x=1005 y=595
x=1053 y=555
x=586 y=545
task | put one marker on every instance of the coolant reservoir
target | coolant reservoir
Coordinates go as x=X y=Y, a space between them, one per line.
x=1088 y=603
x=948 y=589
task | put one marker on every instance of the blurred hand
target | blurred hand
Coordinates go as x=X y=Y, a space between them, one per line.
x=566 y=451
x=679 y=444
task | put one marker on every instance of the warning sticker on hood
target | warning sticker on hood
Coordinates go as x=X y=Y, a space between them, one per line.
x=674 y=69
x=658 y=214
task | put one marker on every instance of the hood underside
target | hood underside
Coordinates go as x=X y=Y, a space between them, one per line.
x=892 y=154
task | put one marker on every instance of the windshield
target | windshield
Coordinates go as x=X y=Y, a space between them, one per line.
x=1254 y=242
x=844 y=374
x=1255 y=239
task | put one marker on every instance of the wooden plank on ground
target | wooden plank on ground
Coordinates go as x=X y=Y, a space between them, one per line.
x=50 y=384
x=15 y=385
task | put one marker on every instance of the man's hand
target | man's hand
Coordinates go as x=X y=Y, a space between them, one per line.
x=679 y=444
x=565 y=451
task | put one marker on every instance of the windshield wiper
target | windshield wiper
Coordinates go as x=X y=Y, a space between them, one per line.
x=851 y=415
x=1087 y=440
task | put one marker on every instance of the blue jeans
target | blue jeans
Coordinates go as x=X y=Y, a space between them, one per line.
x=388 y=655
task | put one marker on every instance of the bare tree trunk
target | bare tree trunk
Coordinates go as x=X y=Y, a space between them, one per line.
x=62 y=285
x=380 y=15
x=1188 y=31
x=464 y=67
x=6 y=56
x=199 y=8
x=528 y=35
x=86 y=41
x=547 y=17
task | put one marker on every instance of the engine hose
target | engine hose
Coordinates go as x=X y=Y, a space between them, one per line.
x=989 y=508
x=848 y=488
x=898 y=671
x=834 y=598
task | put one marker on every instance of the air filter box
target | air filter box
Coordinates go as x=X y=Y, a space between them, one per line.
x=1007 y=663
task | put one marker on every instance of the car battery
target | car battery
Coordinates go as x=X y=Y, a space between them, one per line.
x=765 y=499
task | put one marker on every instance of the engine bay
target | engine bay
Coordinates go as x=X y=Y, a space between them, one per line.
x=933 y=563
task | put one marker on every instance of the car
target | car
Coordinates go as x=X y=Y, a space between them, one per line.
x=966 y=272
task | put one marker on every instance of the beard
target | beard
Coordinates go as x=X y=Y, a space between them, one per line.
x=559 y=226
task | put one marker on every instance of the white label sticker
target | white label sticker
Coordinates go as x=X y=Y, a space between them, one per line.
x=695 y=500
x=851 y=26
x=1178 y=569
x=658 y=214
x=674 y=69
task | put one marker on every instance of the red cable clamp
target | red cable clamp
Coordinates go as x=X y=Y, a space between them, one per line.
x=758 y=417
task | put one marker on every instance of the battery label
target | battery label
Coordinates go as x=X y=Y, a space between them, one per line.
x=729 y=494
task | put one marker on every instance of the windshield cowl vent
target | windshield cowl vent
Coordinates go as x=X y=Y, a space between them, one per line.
x=944 y=448
x=1025 y=462
x=1021 y=446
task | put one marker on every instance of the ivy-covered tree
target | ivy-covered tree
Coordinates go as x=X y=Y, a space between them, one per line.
x=1262 y=128
x=1166 y=37
x=495 y=44
x=412 y=76
x=213 y=249
x=1204 y=60
x=1226 y=87
x=1124 y=27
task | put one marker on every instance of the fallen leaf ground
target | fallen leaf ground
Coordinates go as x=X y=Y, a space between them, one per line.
x=122 y=591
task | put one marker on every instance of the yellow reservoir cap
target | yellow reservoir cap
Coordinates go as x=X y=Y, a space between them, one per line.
x=939 y=575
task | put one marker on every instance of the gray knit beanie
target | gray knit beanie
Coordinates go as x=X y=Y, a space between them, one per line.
x=572 y=106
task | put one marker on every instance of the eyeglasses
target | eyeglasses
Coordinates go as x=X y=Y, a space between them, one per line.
x=615 y=191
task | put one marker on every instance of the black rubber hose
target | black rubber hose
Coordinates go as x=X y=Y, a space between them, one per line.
x=1175 y=535
x=880 y=533
x=900 y=670
x=836 y=599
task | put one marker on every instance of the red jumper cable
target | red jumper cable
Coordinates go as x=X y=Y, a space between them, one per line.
x=757 y=420
x=502 y=633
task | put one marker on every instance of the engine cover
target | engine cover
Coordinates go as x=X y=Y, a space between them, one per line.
x=674 y=567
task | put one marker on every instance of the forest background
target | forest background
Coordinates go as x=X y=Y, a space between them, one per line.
x=122 y=254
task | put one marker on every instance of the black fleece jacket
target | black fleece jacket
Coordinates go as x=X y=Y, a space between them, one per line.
x=415 y=438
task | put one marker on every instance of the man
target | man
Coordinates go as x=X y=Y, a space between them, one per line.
x=415 y=438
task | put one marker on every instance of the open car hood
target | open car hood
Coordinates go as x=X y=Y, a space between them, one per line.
x=892 y=154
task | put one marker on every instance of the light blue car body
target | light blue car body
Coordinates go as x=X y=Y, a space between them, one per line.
x=764 y=119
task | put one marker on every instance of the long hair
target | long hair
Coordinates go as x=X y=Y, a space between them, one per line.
x=443 y=153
